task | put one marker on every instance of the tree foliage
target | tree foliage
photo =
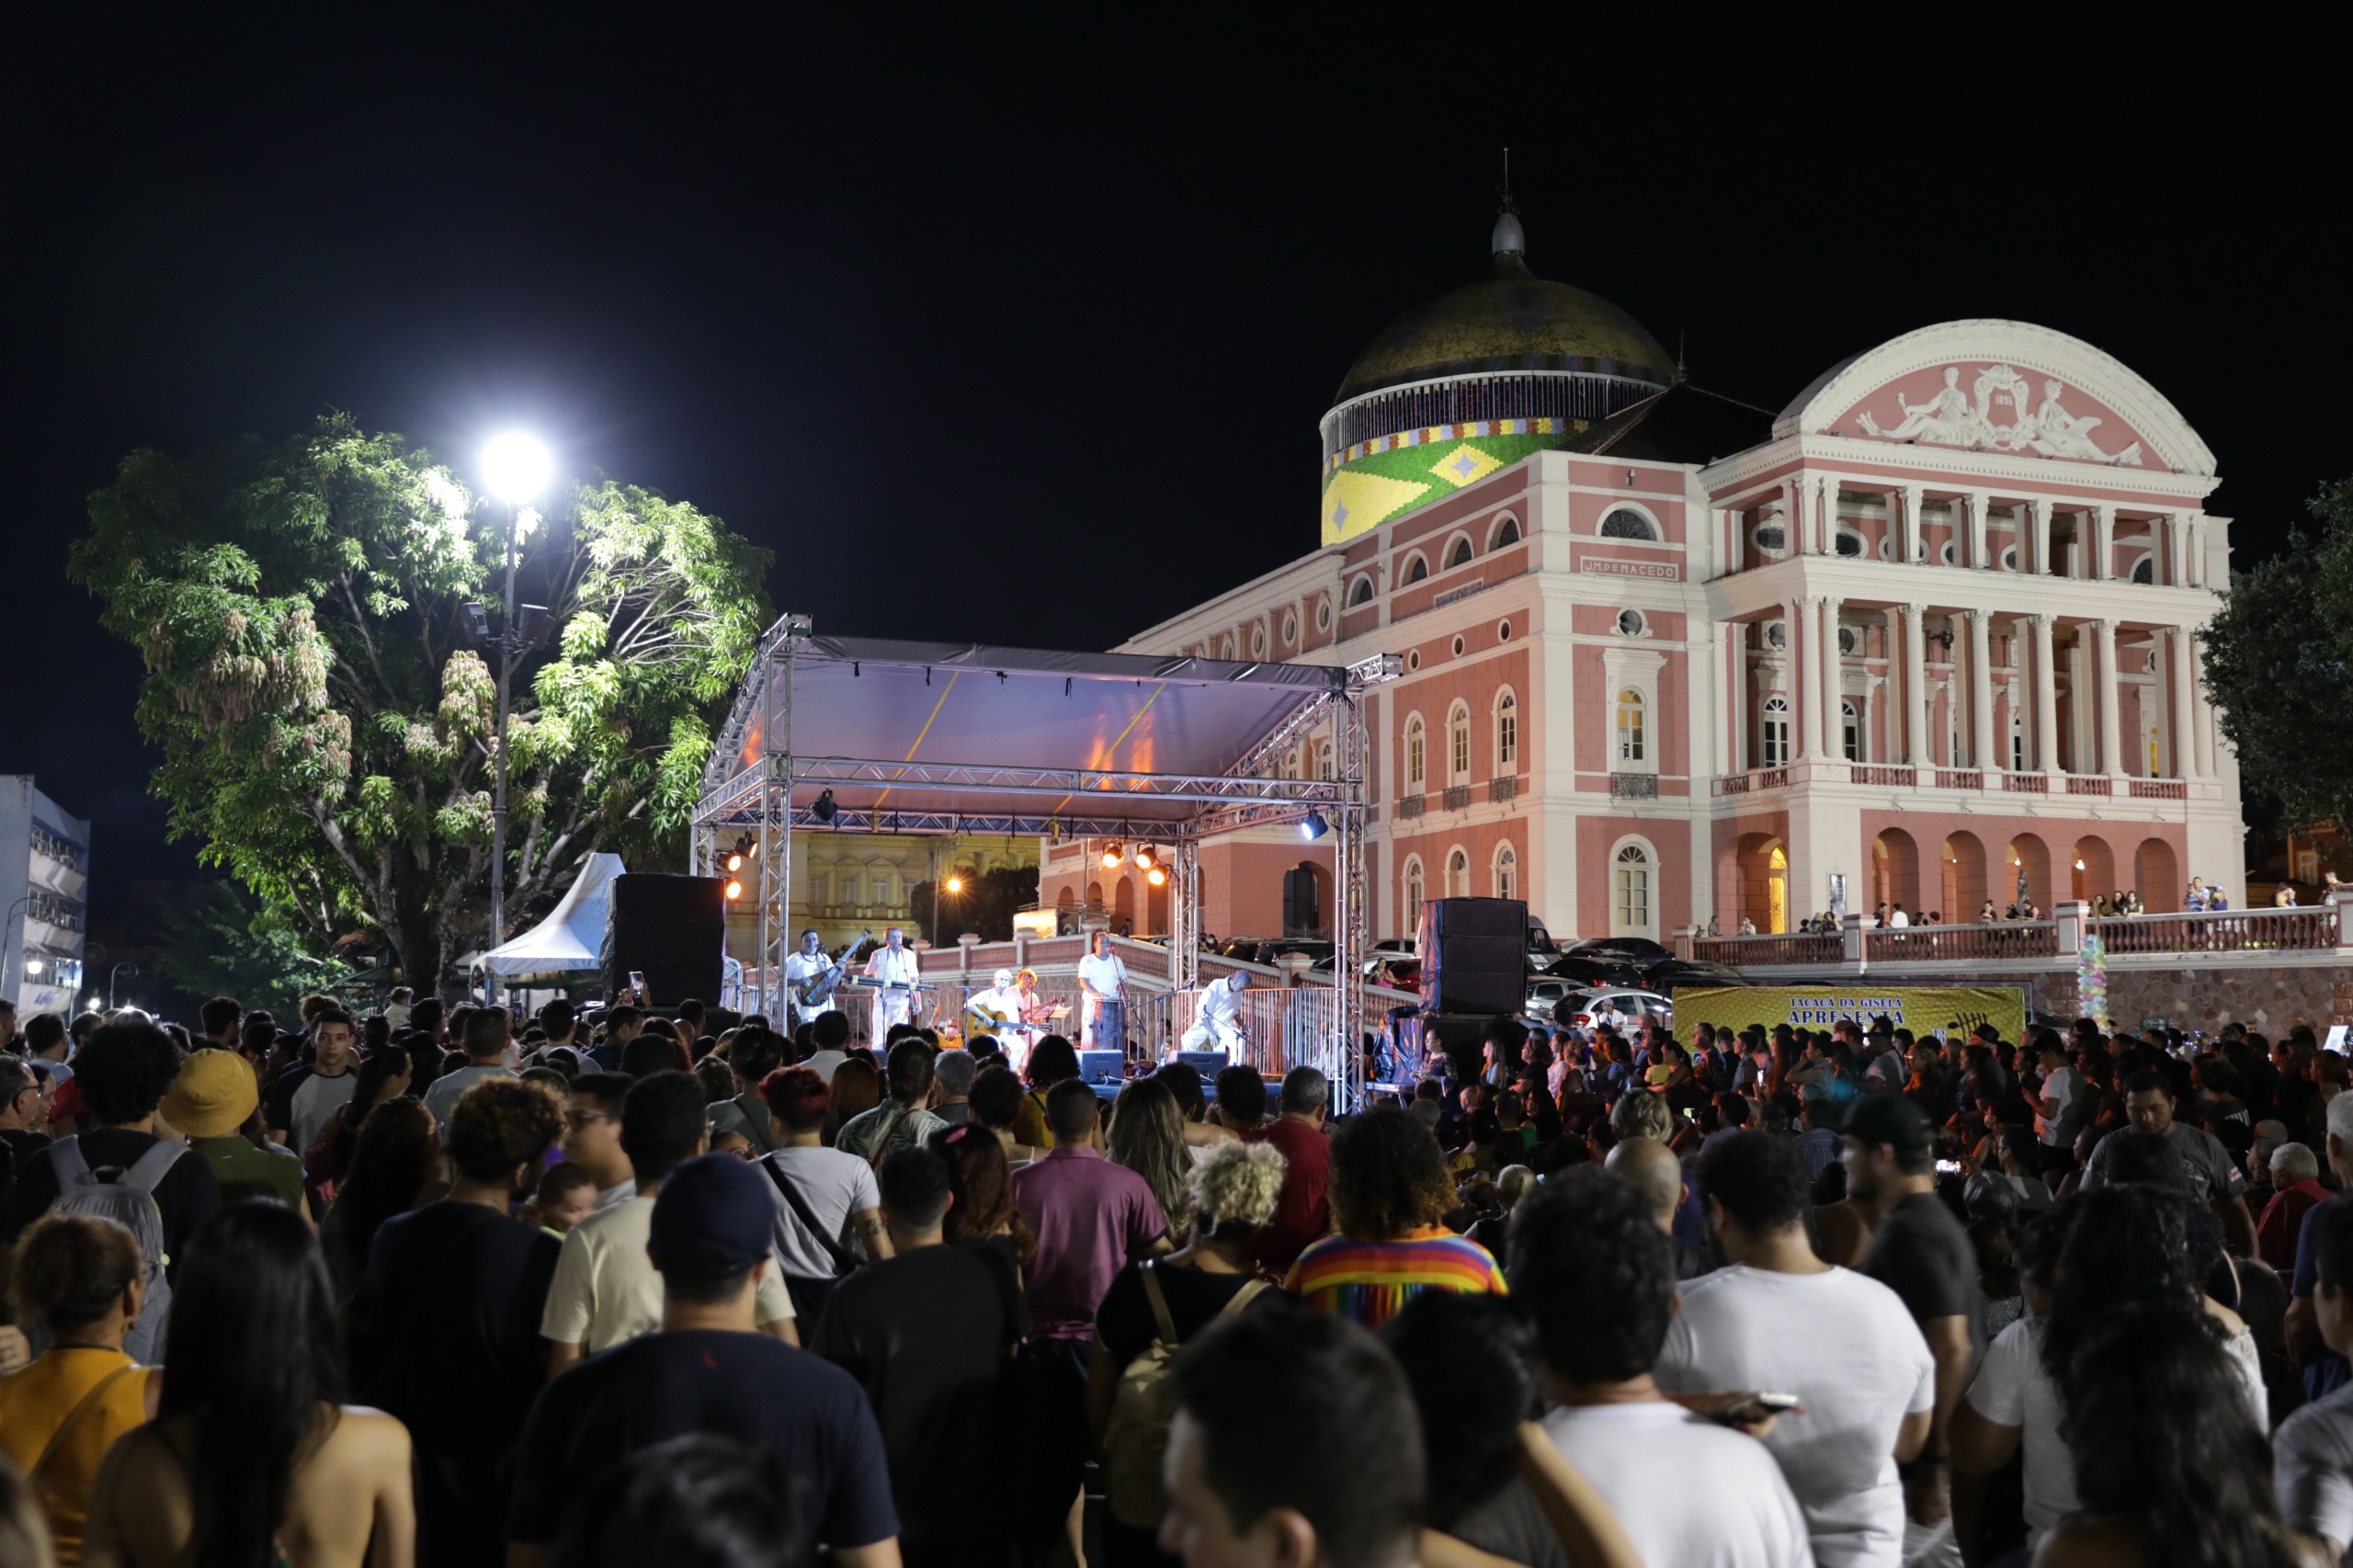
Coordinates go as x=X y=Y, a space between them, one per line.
x=987 y=905
x=219 y=941
x=2279 y=664
x=326 y=721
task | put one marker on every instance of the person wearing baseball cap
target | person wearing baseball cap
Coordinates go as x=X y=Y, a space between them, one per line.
x=211 y=1097
x=708 y=1369
x=1919 y=1251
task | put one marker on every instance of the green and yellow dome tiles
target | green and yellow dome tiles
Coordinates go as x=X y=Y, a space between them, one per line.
x=1384 y=485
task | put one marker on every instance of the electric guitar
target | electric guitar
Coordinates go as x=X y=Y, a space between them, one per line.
x=813 y=995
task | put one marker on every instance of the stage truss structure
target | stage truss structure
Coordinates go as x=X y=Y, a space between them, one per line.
x=791 y=750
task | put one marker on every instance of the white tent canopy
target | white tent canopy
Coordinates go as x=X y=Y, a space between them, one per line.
x=570 y=938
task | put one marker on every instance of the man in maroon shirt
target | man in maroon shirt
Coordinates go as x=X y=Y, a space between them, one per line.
x=1303 y=1214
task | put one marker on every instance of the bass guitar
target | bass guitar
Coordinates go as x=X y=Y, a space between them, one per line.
x=815 y=993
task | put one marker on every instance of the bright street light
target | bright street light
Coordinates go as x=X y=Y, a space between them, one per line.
x=517 y=467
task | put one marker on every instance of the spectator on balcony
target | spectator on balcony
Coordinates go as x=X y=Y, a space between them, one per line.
x=1897 y=918
x=1987 y=915
x=1747 y=927
x=1879 y=918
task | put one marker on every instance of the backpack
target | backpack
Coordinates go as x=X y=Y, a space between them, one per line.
x=1143 y=1405
x=127 y=1198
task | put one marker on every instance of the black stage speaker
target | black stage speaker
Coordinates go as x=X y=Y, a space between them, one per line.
x=674 y=930
x=1474 y=955
x=1460 y=1040
x=1208 y=1064
x=1102 y=1066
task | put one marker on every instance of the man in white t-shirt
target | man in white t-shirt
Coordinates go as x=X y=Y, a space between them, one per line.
x=1599 y=1278
x=1218 y=1024
x=837 y=1191
x=1103 y=978
x=2058 y=1115
x=996 y=1009
x=1777 y=1318
x=606 y=1288
x=893 y=969
x=804 y=969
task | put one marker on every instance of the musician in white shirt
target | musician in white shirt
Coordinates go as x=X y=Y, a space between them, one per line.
x=1219 y=1023
x=804 y=969
x=894 y=963
x=1103 y=978
x=999 y=1006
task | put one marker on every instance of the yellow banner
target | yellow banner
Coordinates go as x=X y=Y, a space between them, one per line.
x=1939 y=1010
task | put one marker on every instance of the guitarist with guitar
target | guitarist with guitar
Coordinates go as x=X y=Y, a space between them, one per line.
x=810 y=977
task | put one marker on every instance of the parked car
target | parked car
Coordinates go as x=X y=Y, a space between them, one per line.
x=1668 y=974
x=1638 y=951
x=1267 y=950
x=1544 y=994
x=1626 y=1005
x=1595 y=968
x=1399 y=972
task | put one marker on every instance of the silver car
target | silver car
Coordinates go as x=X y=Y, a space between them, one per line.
x=1619 y=1004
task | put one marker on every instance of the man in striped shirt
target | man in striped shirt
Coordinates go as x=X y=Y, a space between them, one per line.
x=1389 y=1191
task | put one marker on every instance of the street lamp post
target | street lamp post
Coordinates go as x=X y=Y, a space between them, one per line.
x=115 y=974
x=517 y=468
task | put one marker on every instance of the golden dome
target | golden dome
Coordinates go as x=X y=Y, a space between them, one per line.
x=1511 y=320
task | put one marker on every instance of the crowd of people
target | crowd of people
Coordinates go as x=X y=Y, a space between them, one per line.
x=422 y=1287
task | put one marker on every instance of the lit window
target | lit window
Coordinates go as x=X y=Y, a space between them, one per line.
x=1632 y=744
x=1506 y=731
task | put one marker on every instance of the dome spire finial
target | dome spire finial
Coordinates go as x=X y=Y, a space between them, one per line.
x=1509 y=238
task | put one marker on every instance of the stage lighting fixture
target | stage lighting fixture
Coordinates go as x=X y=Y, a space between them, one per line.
x=1156 y=876
x=1113 y=853
x=1144 y=857
x=1314 y=826
x=735 y=862
x=734 y=888
x=825 y=810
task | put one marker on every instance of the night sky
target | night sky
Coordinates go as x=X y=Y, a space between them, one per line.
x=1018 y=329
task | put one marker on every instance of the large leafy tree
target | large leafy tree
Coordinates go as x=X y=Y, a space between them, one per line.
x=2279 y=663
x=217 y=940
x=327 y=721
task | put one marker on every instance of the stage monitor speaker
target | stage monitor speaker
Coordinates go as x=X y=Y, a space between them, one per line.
x=671 y=929
x=1208 y=1064
x=1102 y=1066
x=1474 y=955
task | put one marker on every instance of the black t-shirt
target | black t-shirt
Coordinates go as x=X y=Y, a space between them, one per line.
x=928 y=1335
x=446 y=1335
x=1920 y=1251
x=1195 y=1297
x=23 y=1144
x=187 y=1197
x=747 y=1386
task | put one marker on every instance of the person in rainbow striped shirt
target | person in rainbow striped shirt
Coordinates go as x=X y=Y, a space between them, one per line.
x=1389 y=1192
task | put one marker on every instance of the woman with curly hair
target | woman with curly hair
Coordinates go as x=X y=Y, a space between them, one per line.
x=1390 y=1196
x=1228 y=1198
x=1147 y=1135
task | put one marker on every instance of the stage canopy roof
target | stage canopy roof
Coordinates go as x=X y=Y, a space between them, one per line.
x=942 y=737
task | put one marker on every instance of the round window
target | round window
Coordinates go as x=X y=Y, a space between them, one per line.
x=1457 y=647
x=1258 y=641
x=1503 y=631
x=1945 y=554
x=1323 y=615
x=1851 y=544
x=1413 y=659
x=1848 y=642
x=1769 y=537
x=1291 y=629
x=1777 y=634
x=1630 y=623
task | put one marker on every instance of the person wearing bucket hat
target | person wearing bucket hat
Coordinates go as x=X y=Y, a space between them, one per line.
x=210 y=1100
x=709 y=1370
x=1919 y=1251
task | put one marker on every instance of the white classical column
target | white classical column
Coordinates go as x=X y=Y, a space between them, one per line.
x=2038 y=516
x=1981 y=688
x=1912 y=495
x=2176 y=572
x=1793 y=515
x=2185 y=743
x=1806 y=690
x=1827 y=509
x=2107 y=688
x=1979 y=505
x=1834 y=670
x=2201 y=711
x=2046 y=699
x=2194 y=536
x=1915 y=687
x=2103 y=543
x=1735 y=539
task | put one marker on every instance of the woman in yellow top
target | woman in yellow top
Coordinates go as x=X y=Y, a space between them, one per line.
x=251 y=1456
x=79 y=1278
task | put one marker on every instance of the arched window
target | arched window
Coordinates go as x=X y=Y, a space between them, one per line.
x=1773 y=748
x=1633 y=729
x=1507 y=871
x=1416 y=755
x=1457 y=874
x=1416 y=568
x=1850 y=725
x=1324 y=764
x=1506 y=731
x=1361 y=593
x=2145 y=569
x=1458 y=554
x=1848 y=542
x=1630 y=911
x=1506 y=532
x=1413 y=895
x=1458 y=741
x=2017 y=740
x=1626 y=523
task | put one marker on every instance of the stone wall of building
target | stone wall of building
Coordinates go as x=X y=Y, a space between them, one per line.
x=2266 y=999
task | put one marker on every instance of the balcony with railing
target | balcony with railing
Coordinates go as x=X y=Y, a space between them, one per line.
x=1962 y=780
x=2001 y=939
x=2223 y=931
x=1634 y=786
x=1502 y=791
x=1409 y=807
x=1828 y=948
x=2238 y=937
x=1456 y=798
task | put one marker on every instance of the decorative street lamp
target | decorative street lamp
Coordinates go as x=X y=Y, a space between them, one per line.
x=115 y=974
x=517 y=468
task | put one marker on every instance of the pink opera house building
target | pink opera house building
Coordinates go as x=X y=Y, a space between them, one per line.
x=1929 y=635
